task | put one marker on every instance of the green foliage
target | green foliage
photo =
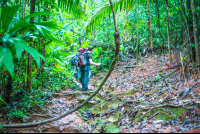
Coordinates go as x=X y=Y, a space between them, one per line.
x=71 y=6
x=112 y=128
x=3 y=101
x=7 y=59
x=131 y=92
x=105 y=106
x=105 y=10
x=7 y=16
x=17 y=114
x=11 y=27
x=166 y=115
x=85 y=108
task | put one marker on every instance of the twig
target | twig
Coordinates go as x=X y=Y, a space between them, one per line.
x=182 y=65
x=154 y=115
x=169 y=105
x=145 y=113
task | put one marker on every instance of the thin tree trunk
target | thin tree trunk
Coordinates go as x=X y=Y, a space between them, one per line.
x=24 y=7
x=8 y=89
x=43 y=62
x=30 y=58
x=187 y=35
x=85 y=5
x=137 y=46
x=195 y=29
x=25 y=69
x=158 y=17
x=149 y=24
x=168 y=33
x=43 y=48
x=190 y=28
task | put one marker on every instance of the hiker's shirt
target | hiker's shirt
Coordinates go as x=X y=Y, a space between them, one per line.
x=89 y=56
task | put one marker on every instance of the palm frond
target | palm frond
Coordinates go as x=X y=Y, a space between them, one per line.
x=71 y=6
x=105 y=10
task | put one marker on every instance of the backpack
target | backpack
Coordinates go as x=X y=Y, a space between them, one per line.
x=80 y=59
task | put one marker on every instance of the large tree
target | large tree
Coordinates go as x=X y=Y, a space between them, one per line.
x=195 y=31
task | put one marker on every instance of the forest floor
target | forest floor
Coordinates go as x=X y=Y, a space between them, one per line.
x=152 y=97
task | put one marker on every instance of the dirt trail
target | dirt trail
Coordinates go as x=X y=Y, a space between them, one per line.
x=128 y=101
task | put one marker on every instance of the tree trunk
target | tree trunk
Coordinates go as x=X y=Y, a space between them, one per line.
x=30 y=58
x=24 y=7
x=43 y=62
x=22 y=57
x=158 y=17
x=190 y=28
x=149 y=24
x=195 y=28
x=43 y=49
x=168 y=33
x=85 y=5
x=8 y=89
x=187 y=35
x=137 y=46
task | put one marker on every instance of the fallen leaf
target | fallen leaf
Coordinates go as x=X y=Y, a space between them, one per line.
x=67 y=99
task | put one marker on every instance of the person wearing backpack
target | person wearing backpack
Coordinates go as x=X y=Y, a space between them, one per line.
x=82 y=61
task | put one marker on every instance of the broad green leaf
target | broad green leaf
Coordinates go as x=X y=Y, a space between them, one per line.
x=25 y=35
x=7 y=15
x=19 y=43
x=3 y=102
x=18 y=47
x=5 y=38
x=48 y=25
x=37 y=14
x=40 y=29
x=6 y=59
x=21 y=25
x=36 y=55
x=13 y=22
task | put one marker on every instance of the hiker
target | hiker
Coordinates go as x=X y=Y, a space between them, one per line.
x=84 y=72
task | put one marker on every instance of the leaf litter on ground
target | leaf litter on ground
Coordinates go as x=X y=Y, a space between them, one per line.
x=152 y=97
